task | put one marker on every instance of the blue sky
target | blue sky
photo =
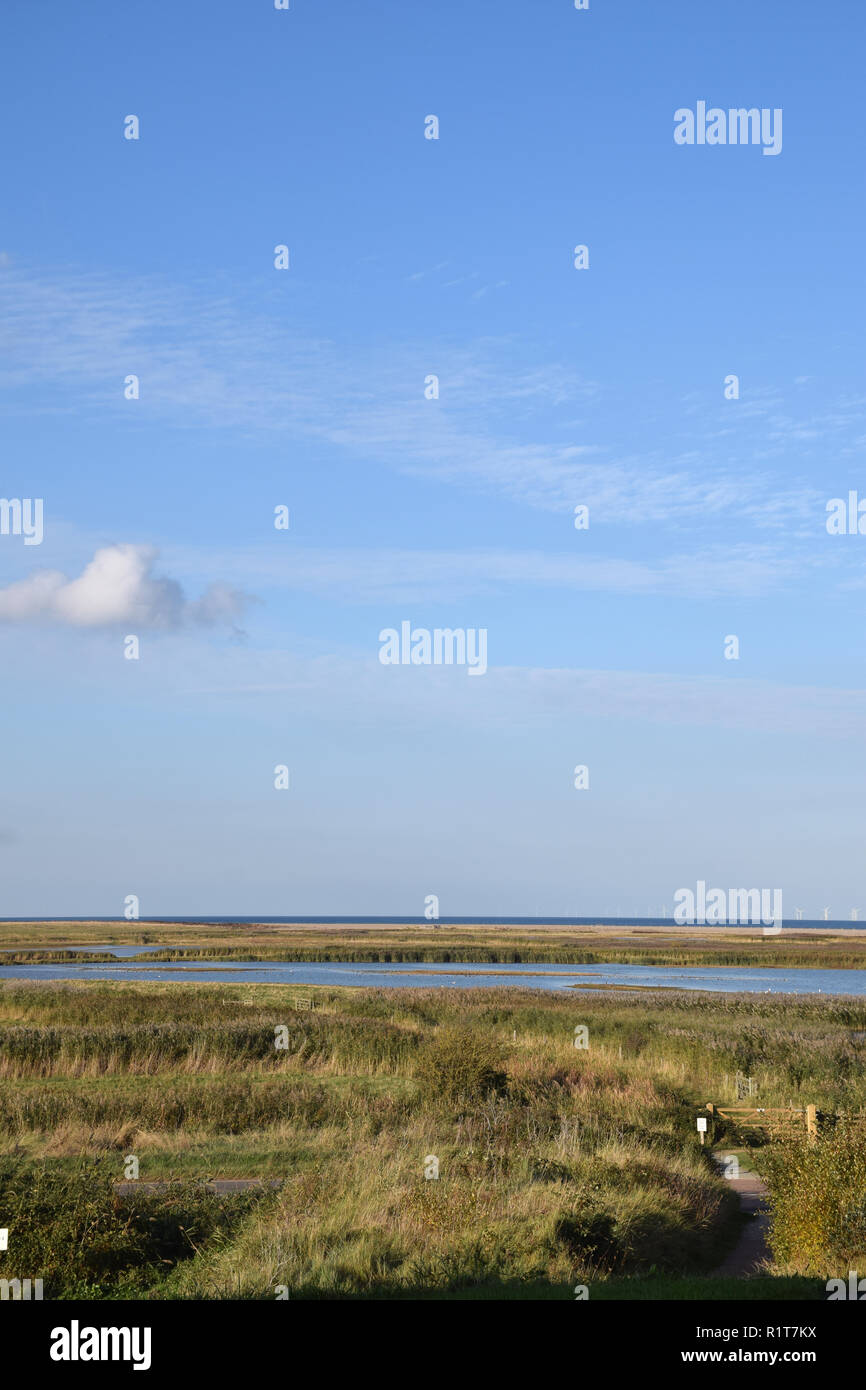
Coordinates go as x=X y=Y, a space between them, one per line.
x=305 y=387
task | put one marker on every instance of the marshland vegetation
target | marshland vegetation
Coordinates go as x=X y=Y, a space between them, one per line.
x=557 y=1164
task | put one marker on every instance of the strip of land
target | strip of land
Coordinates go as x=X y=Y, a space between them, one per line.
x=832 y=947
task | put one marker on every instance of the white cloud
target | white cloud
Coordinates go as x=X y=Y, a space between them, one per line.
x=118 y=586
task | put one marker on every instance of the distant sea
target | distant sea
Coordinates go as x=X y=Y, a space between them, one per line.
x=788 y=923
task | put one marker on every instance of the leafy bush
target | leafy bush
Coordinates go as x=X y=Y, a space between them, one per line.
x=76 y=1234
x=817 y=1205
x=461 y=1065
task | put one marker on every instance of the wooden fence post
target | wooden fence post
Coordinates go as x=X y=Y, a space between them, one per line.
x=812 y=1123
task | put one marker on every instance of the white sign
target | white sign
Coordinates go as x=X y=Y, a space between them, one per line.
x=4 y=1240
x=702 y=1126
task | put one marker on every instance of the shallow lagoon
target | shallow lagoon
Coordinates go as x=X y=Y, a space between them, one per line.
x=718 y=980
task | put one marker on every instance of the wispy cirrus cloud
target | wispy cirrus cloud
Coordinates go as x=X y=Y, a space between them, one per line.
x=536 y=433
x=347 y=687
x=353 y=575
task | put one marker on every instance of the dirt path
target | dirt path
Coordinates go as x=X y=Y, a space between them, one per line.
x=751 y=1248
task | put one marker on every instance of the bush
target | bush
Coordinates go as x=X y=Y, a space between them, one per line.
x=77 y=1235
x=590 y=1239
x=460 y=1066
x=817 y=1209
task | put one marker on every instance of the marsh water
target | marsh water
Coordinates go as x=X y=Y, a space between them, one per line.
x=718 y=980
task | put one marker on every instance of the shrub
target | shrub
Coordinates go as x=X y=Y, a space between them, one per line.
x=589 y=1237
x=817 y=1210
x=76 y=1234
x=460 y=1066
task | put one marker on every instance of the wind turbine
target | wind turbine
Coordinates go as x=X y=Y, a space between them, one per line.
x=798 y=913
x=854 y=911
x=826 y=914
